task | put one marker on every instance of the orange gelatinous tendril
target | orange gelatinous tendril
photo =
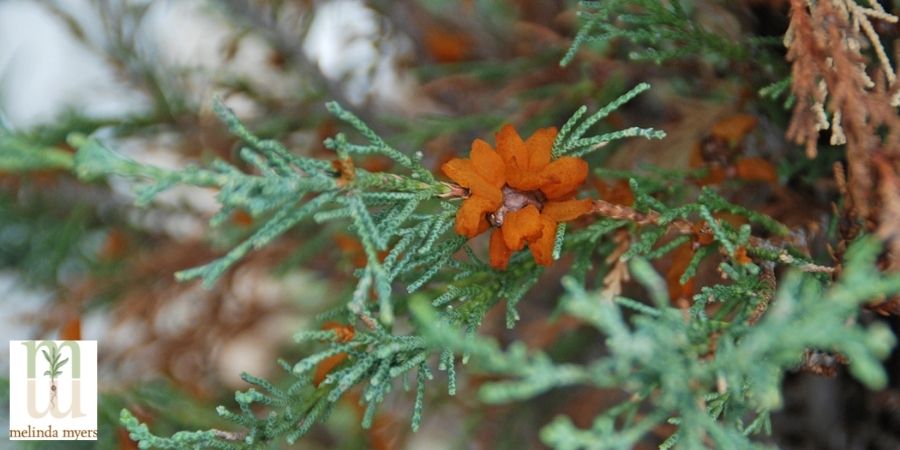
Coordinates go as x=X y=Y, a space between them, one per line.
x=519 y=192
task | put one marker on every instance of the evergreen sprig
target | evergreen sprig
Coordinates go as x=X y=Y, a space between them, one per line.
x=707 y=378
x=708 y=364
x=691 y=369
x=403 y=238
x=19 y=153
x=571 y=140
x=284 y=188
x=658 y=30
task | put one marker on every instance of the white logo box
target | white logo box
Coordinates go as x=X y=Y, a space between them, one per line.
x=53 y=390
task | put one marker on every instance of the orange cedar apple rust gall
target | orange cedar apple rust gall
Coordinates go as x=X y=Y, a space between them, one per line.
x=518 y=192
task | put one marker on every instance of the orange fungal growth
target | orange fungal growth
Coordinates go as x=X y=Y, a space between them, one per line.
x=242 y=218
x=702 y=234
x=344 y=333
x=519 y=192
x=344 y=170
x=740 y=255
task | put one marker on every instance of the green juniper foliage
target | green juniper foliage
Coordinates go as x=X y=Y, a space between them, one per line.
x=665 y=361
x=402 y=214
x=20 y=154
x=701 y=373
x=658 y=30
x=712 y=370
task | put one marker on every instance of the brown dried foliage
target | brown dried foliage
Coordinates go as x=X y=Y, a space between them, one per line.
x=826 y=44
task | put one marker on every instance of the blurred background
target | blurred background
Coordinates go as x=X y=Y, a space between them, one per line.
x=144 y=75
x=80 y=259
